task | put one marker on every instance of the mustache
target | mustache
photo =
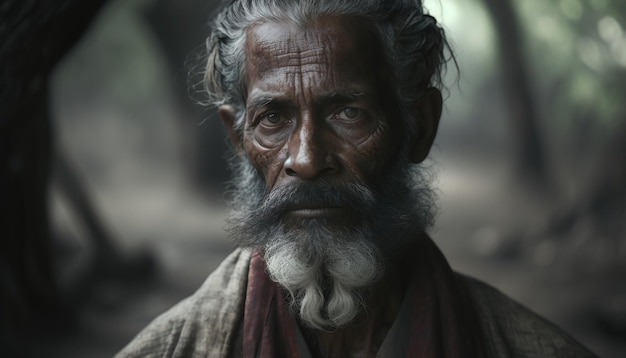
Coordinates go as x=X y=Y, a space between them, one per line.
x=321 y=194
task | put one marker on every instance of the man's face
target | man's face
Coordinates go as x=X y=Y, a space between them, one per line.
x=322 y=189
x=319 y=107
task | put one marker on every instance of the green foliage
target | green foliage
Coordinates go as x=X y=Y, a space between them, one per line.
x=577 y=49
x=576 y=55
x=471 y=36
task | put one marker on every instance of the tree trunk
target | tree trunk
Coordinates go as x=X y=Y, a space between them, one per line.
x=530 y=156
x=181 y=30
x=34 y=36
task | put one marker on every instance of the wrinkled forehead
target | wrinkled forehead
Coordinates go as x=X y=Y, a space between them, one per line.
x=349 y=43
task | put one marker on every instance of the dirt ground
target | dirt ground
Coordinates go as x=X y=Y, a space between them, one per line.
x=478 y=209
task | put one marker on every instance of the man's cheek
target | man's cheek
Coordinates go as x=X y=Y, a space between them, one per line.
x=373 y=156
x=267 y=161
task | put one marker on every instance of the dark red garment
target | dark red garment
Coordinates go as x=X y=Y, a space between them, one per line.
x=269 y=330
x=443 y=322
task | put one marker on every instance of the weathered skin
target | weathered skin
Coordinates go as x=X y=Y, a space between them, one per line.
x=323 y=87
x=321 y=104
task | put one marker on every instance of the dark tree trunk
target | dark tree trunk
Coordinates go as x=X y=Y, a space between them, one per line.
x=530 y=156
x=34 y=35
x=181 y=28
x=602 y=199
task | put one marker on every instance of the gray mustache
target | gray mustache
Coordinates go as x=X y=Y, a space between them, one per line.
x=323 y=194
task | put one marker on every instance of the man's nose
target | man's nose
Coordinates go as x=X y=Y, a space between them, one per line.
x=309 y=154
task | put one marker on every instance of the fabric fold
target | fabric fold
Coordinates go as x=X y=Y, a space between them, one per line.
x=442 y=321
x=269 y=329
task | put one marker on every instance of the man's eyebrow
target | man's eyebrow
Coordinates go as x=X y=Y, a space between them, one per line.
x=346 y=96
x=266 y=101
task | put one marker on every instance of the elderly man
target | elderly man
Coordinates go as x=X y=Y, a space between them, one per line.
x=331 y=105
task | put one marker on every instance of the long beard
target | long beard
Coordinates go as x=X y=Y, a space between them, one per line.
x=327 y=267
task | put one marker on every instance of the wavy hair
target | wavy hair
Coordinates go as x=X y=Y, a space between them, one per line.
x=415 y=44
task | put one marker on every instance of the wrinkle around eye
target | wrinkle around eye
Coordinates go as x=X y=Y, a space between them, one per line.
x=266 y=143
x=271 y=135
x=341 y=116
x=377 y=135
x=361 y=128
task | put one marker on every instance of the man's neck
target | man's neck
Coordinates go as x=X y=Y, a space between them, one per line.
x=364 y=336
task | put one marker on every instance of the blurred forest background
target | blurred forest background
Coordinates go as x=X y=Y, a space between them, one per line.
x=112 y=179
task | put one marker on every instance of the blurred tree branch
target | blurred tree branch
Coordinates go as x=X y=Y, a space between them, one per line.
x=34 y=35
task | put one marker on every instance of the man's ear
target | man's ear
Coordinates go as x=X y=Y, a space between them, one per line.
x=426 y=113
x=228 y=116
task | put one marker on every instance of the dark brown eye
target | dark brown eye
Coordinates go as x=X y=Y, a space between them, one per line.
x=350 y=113
x=271 y=118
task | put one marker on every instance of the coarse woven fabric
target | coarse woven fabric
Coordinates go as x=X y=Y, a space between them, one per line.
x=210 y=322
x=441 y=321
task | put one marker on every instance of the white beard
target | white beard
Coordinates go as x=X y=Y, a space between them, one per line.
x=327 y=269
x=325 y=275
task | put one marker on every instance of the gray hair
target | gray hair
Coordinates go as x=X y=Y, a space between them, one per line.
x=415 y=44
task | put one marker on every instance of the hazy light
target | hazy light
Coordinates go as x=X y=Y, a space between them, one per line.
x=612 y=33
x=572 y=9
x=547 y=28
x=468 y=26
x=609 y=29
x=598 y=4
x=619 y=52
x=554 y=33
x=589 y=53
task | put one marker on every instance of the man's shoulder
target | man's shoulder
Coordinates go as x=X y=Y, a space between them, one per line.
x=203 y=324
x=512 y=330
